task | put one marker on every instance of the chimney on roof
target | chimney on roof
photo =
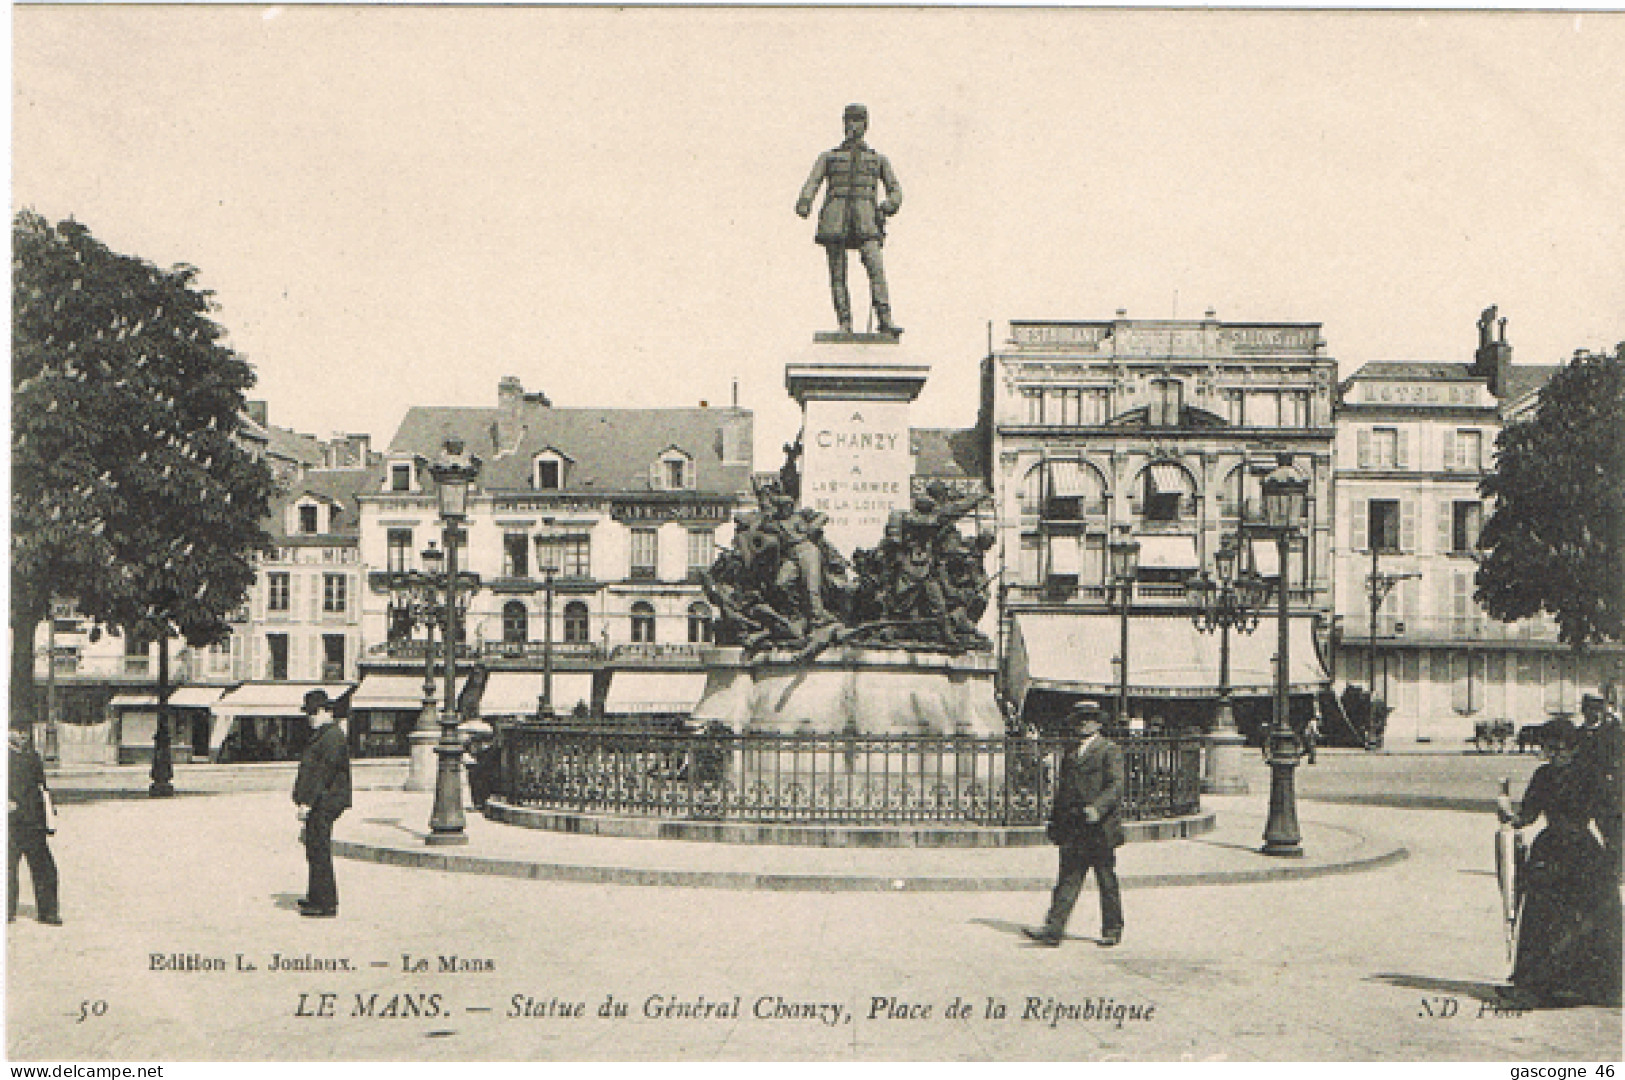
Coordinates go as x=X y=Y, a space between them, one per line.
x=259 y=412
x=510 y=407
x=1492 y=361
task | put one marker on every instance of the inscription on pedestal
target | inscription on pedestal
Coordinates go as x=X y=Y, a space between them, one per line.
x=857 y=467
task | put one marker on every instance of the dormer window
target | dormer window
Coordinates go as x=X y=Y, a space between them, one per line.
x=400 y=476
x=674 y=471
x=310 y=517
x=551 y=471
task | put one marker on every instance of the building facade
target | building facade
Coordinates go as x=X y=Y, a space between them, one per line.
x=1414 y=441
x=1160 y=430
x=593 y=521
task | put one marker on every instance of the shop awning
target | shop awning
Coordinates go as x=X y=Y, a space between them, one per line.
x=196 y=697
x=270 y=700
x=1168 y=553
x=519 y=693
x=134 y=700
x=286 y=699
x=1075 y=652
x=654 y=692
x=394 y=690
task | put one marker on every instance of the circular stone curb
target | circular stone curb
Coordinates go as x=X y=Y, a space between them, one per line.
x=830 y=836
x=742 y=880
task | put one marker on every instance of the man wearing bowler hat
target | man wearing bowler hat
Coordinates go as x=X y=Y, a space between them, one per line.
x=1601 y=746
x=1086 y=824
x=322 y=792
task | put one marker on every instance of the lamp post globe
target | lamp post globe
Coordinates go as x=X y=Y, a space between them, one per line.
x=454 y=473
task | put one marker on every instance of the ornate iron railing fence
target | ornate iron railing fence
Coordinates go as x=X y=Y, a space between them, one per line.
x=824 y=779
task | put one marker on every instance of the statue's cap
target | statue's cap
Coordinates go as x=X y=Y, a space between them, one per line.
x=856 y=112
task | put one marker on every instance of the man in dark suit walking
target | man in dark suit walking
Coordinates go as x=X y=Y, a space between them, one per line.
x=322 y=792
x=1601 y=746
x=1086 y=823
x=27 y=826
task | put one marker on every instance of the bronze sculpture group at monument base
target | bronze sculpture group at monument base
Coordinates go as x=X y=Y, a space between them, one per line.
x=783 y=586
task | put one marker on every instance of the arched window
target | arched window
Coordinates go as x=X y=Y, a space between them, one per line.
x=699 y=622
x=575 y=622
x=515 y=621
x=643 y=622
x=1063 y=490
x=1167 y=492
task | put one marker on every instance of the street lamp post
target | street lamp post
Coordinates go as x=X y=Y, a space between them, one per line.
x=1232 y=602
x=453 y=474
x=415 y=601
x=1285 y=495
x=1125 y=565
x=546 y=709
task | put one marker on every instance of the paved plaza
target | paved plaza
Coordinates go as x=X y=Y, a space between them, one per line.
x=182 y=941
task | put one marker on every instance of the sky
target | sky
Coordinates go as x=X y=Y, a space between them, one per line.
x=400 y=206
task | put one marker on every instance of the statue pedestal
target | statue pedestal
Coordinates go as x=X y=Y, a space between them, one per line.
x=852 y=691
x=854 y=391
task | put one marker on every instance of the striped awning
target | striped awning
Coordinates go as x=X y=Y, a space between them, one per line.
x=1169 y=479
x=1068 y=481
x=1168 y=553
x=196 y=697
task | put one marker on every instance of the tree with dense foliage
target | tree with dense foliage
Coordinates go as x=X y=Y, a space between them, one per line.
x=1556 y=540
x=130 y=493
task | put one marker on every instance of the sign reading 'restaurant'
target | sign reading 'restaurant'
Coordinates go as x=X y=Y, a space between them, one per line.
x=856 y=467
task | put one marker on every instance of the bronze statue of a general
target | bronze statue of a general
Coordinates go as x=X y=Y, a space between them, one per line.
x=853 y=217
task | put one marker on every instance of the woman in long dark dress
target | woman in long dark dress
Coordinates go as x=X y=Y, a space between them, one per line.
x=1569 y=928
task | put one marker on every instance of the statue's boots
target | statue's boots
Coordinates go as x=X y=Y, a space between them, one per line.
x=883 y=317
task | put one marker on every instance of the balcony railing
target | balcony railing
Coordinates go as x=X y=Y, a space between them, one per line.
x=825 y=778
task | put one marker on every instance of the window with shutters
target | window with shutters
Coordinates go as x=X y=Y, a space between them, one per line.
x=1467 y=521
x=332 y=657
x=645 y=553
x=335 y=593
x=276 y=650
x=1382 y=525
x=1468 y=449
x=1384 y=448
x=278 y=591
x=702 y=550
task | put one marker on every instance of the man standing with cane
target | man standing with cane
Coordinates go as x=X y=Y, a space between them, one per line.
x=1085 y=822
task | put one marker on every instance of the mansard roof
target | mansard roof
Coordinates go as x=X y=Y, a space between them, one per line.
x=611 y=450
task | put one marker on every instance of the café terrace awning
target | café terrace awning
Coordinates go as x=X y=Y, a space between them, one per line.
x=278 y=701
x=643 y=692
x=1074 y=652
x=196 y=697
x=519 y=693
